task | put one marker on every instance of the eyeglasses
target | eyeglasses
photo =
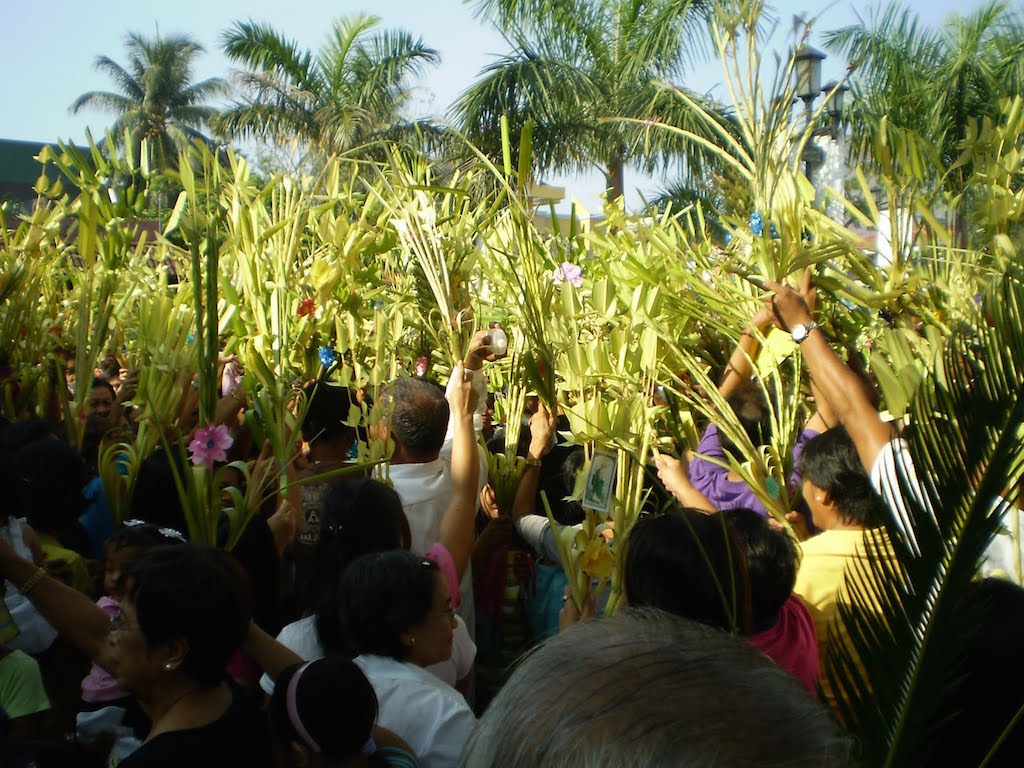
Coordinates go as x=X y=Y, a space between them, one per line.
x=117 y=621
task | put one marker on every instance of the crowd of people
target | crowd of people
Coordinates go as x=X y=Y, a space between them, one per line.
x=373 y=620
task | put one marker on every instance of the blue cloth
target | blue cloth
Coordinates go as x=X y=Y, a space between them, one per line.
x=97 y=520
x=543 y=605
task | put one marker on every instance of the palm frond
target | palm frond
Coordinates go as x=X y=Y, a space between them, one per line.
x=905 y=623
x=104 y=100
x=129 y=82
x=260 y=47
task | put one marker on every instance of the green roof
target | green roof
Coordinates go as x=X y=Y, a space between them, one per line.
x=18 y=164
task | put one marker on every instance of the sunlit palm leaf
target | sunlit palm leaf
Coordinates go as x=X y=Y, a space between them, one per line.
x=905 y=625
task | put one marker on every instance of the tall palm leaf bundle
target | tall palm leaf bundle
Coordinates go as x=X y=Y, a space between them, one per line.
x=907 y=624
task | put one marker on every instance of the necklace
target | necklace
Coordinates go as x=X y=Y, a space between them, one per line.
x=156 y=723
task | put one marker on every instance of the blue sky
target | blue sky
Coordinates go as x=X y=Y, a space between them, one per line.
x=50 y=48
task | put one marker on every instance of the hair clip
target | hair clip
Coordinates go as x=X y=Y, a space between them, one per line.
x=167 y=533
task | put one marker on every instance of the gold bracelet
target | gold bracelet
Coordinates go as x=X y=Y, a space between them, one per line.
x=33 y=580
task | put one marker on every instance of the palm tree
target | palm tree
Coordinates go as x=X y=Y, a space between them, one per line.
x=923 y=87
x=348 y=94
x=576 y=62
x=157 y=99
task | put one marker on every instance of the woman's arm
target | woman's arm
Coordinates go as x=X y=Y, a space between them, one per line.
x=272 y=657
x=676 y=479
x=456 y=533
x=740 y=367
x=69 y=611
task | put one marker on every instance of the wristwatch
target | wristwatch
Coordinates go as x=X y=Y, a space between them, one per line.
x=801 y=331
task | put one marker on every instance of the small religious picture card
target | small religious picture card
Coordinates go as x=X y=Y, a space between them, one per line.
x=597 y=494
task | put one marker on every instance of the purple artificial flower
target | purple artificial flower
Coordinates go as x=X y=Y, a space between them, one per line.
x=568 y=272
x=210 y=445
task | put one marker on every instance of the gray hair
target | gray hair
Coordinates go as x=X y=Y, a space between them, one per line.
x=646 y=688
x=419 y=415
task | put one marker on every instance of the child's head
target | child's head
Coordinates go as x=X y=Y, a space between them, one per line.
x=326 y=707
x=126 y=546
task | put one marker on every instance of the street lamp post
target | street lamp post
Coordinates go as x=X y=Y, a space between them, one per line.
x=807 y=61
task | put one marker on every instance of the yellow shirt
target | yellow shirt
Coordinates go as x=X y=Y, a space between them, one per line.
x=81 y=579
x=820 y=579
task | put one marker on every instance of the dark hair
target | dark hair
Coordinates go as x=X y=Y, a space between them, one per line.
x=98 y=383
x=155 y=498
x=17 y=434
x=358 y=517
x=143 y=535
x=647 y=689
x=382 y=595
x=52 y=478
x=196 y=593
x=771 y=563
x=830 y=461
x=328 y=411
x=750 y=405
x=419 y=418
x=334 y=703
x=558 y=479
x=690 y=564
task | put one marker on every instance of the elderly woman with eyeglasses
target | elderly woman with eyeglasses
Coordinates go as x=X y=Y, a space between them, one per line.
x=396 y=615
x=185 y=610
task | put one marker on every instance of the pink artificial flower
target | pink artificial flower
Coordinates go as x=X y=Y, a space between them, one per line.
x=421 y=366
x=210 y=444
x=568 y=272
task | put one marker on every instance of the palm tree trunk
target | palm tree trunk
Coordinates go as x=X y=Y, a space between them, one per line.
x=613 y=176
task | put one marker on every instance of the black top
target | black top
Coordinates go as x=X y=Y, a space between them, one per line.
x=238 y=737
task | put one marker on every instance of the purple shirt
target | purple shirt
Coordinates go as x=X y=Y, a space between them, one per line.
x=713 y=481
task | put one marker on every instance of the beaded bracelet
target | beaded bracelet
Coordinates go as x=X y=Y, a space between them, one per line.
x=33 y=580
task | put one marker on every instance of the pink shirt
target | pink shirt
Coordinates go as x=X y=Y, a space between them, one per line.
x=791 y=643
x=99 y=685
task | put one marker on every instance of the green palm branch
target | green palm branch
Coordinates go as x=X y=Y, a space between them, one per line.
x=906 y=625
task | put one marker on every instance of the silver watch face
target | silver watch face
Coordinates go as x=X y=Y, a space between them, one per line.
x=800 y=332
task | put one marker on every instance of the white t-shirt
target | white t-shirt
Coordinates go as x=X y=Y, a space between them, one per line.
x=892 y=475
x=36 y=634
x=302 y=638
x=432 y=717
x=894 y=462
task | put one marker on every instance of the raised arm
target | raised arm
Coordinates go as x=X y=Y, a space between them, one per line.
x=740 y=367
x=833 y=379
x=457 y=524
x=542 y=429
x=69 y=611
